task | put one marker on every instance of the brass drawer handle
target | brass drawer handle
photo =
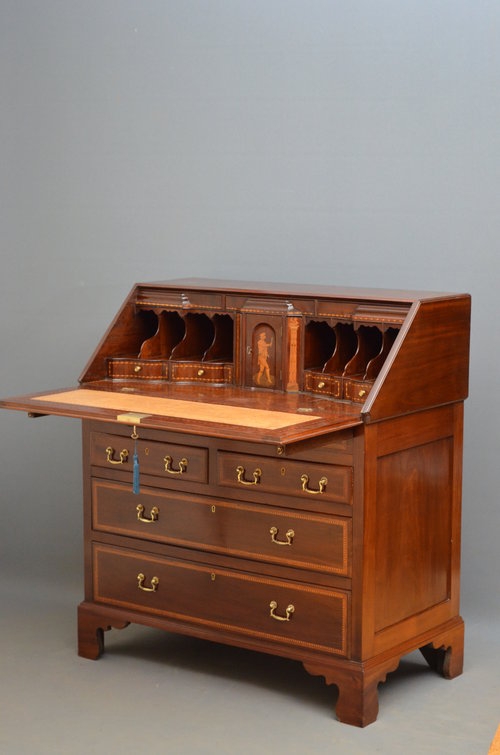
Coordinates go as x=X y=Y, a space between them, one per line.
x=110 y=452
x=321 y=384
x=240 y=471
x=290 y=534
x=182 y=465
x=153 y=515
x=200 y=372
x=137 y=368
x=289 y=610
x=154 y=583
x=322 y=485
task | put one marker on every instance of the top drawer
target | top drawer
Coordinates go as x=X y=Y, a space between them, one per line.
x=171 y=461
x=304 y=479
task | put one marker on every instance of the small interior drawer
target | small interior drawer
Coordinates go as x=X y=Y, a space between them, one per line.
x=357 y=390
x=308 y=480
x=170 y=461
x=319 y=382
x=201 y=372
x=219 y=598
x=140 y=369
x=307 y=541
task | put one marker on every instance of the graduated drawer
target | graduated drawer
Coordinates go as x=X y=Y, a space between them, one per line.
x=298 y=478
x=307 y=541
x=171 y=461
x=222 y=599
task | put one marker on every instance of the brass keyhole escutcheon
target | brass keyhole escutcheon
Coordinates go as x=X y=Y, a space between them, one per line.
x=282 y=471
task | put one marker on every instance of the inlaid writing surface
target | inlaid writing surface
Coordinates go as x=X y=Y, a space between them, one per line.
x=272 y=417
x=167 y=407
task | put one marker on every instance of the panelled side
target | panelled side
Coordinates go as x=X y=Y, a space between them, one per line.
x=412 y=527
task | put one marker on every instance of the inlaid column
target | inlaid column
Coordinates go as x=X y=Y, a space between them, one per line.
x=293 y=353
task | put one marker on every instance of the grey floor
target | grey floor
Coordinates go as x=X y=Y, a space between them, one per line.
x=153 y=692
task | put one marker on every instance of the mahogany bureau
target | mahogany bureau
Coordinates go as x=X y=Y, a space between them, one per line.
x=277 y=467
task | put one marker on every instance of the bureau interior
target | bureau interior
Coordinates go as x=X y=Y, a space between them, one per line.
x=175 y=345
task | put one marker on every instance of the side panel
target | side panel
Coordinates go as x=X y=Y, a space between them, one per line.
x=411 y=526
x=412 y=547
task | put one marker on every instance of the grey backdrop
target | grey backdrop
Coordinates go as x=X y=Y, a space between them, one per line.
x=330 y=141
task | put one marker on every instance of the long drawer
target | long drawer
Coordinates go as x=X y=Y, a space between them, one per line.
x=222 y=599
x=299 y=539
x=305 y=479
x=170 y=461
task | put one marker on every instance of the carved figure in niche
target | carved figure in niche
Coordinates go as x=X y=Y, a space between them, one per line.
x=263 y=376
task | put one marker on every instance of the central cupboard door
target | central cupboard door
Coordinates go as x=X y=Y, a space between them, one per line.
x=263 y=351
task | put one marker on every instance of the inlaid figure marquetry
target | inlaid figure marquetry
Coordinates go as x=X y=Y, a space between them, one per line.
x=264 y=349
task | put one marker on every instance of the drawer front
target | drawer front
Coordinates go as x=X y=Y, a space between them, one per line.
x=319 y=382
x=217 y=598
x=201 y=372
x=141 y=369
x=305 y=479
x=170 y=461
x=320 y=543
x=357 y=390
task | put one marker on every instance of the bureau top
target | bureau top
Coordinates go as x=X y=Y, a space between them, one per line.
x=301 y=290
